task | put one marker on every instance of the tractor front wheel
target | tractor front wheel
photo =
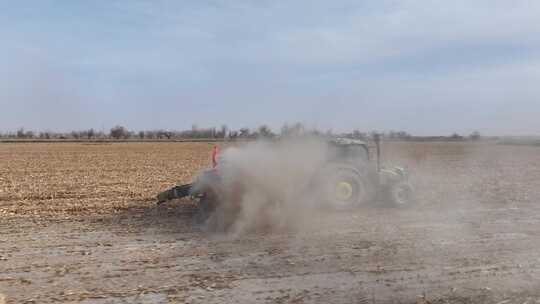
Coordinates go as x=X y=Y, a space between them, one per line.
x=401 y=195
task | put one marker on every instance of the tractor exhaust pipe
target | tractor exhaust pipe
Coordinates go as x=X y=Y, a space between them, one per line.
x=377 y=139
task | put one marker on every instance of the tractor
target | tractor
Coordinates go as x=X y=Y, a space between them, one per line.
x=348 y=178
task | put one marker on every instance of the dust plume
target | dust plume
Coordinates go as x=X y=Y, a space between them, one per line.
x=274 y=181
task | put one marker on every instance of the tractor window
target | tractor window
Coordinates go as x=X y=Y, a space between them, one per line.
x=356 y=152
x=349 y=152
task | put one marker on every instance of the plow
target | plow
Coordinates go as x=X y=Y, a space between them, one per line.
x=350 y=176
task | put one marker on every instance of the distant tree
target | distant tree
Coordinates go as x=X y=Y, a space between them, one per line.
x=356 y=134
x=403 y=135
x=223 y=131
x=398 y=135
x=141 y=134
x=82 y=134
x=99 y=134
x=90 y=133
x=75 y=134
x=203 y=133
x=296 y=129
x=475 y=135
x=233 y=135
x=285 y=130
x=150 y=134
x=118 y=132
x=21 y=133
x=265 y=132
x=374 y=133
x=45 y=135
x=194 y=131
x=314 y=132
x=244 y=132
x=161 y=134
x=456 y=136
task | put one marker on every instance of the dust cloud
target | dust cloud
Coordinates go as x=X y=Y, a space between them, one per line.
x=268 y=186
x=271 y=183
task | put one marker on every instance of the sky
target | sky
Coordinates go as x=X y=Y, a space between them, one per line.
x=425 y=67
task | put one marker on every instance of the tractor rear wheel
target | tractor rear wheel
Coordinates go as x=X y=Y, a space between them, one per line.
x=345 y=188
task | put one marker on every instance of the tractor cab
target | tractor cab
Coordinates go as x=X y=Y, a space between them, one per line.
x=349 y=150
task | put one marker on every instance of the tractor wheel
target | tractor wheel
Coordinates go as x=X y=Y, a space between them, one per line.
x=206 y=206
x=216 y=212
x=401 y=195
x=345 y=188
x=221 y=219
x=208 y=201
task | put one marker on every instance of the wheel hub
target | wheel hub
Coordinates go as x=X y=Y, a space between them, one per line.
x=344 y=191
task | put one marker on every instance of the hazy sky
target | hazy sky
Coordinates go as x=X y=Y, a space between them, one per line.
x=427 y=67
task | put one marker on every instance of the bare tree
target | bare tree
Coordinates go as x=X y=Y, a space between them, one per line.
x=456 y=136
x=45 y=135
x=223 y=131
x=75 y=134
x=356 y=134
x=296 y=129
x=475 y=135
x=118 y=132
x=21 y=133
x=265 y=132
x=150 y=134
x=244 y=132
x=90 y=133
x=233 y=135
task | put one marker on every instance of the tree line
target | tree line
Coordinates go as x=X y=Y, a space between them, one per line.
x=224 y=132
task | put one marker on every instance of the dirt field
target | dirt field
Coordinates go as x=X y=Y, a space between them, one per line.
x=78 y=225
